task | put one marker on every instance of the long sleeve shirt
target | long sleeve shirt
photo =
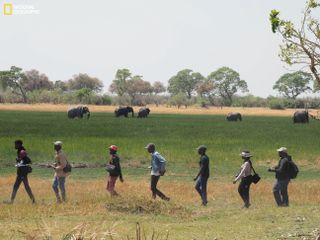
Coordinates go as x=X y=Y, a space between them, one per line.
x=61 y=162
x=244 y=172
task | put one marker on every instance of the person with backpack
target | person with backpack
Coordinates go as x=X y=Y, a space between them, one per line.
x=283 y=175
x=203 y=175
x=114 y=169
x=157 y=169
x=23 y=169
x=245 y=177
x=60 y=172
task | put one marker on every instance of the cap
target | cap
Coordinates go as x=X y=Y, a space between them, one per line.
x=282 y=149
x=150 y=145
x=202 y=147
x=245 y=154
x=113 y=147
x=58 y=143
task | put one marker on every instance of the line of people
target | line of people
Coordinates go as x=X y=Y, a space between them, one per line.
x=158 y=169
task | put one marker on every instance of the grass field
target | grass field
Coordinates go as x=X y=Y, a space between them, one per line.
x=92 y=211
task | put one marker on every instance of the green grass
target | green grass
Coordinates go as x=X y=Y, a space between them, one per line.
x=176 y=137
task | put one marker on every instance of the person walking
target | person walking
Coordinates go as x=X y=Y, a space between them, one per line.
x=157 y=170
x=114 y=169
x=245 y=177
x=203 y=174
x=282 y=170
x=23 y=168
x=60 y=175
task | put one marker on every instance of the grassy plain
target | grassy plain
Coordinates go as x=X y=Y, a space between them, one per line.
x=94 y=214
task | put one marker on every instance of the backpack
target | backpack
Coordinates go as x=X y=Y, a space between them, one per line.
x=67 y=168
x=293 y=169
x=162 y=162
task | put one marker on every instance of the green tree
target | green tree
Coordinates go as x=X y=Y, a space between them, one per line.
x=184 y=82
x=84 y=93
x=300 y=44
x=291 y=85
x=83 y=80
x=227 y=83
x=158 y=87
x=119 y=84
x=13 y=79
x=137 y=86
x=60 y=85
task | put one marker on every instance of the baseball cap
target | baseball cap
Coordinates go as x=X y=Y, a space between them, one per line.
x=58 y=143
x=150 y=145
x=245 y=154
x=282 y=149
x=202 y=147
x=113 y=147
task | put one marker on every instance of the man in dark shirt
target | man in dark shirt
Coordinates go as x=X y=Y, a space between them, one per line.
x=114 y=170
x=280 y=188
x=203 y=175
x=23 y=169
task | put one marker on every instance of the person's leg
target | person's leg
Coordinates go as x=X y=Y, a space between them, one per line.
x=16 y=187
x=246 y=194
x=28 y=188
x=61 y=182
x=198 y=186
x=154 y=181
x=55 y=188
x=241 y=190
x=276 y=193
x=112 y=185
x=157 y=191
x=204 y=191
x=284 y=192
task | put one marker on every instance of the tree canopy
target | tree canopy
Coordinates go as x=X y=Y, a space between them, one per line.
x=291 y=85
x=300 y=44
x=83 y=80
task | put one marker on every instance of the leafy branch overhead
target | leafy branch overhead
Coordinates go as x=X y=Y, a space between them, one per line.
x=300 y=44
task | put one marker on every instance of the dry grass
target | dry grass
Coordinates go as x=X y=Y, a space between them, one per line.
x=154 y=109
x=91 y=212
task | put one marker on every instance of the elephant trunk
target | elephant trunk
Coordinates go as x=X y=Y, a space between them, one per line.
x=132 y=113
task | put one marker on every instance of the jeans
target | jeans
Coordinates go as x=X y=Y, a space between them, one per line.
x=201 y=187
x=280 y=192
x=111 y=185
x=24 y=179
x=244 y=188
x=155 y=191
x=59 y=182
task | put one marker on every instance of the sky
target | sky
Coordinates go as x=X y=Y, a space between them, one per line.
x=152 y=38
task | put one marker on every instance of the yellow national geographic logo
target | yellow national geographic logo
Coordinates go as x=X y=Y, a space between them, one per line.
x=7 y=9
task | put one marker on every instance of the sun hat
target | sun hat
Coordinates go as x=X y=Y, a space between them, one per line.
x=282 y=149
x=202 y=147
x=57 y=143
x=150 y=145
x=245 y=154
x=113 y=147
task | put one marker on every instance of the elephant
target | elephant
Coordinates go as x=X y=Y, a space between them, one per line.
x=123 y=111
x=301 y=117
x=78 y=112
x=234 y=116
x=143 y=112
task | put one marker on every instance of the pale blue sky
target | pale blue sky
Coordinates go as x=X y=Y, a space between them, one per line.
x=152 y=38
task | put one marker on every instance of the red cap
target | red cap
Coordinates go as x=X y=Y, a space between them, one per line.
x=113 y=147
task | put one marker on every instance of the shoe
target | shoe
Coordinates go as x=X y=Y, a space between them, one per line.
x=167 y=199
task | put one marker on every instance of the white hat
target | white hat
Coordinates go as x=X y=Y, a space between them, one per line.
x=282 y=149
x=57 y=143
x=245 y=154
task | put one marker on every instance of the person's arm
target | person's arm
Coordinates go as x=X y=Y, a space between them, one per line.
x=241 y=174
x=281 y=167
x=120 y=172
x=202 y=166
x=63 y=162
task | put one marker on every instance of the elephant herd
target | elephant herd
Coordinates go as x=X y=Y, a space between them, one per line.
x=80 y=111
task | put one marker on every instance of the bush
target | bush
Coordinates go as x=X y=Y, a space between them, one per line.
x=276 y=103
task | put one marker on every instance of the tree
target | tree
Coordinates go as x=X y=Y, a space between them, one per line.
x=158 y=87
x=60 y=85
x=33 y=80
x=12 y=79
x=205 y=90
x=301 y=45
x=83 y=80
x=137 y=86
x=83 y=93
x=291 y=85
x=119 y=84
x=227 y=83
x=184 y=82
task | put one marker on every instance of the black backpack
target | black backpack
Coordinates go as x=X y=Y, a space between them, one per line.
x=292 y=169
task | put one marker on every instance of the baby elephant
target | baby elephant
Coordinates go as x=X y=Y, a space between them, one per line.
x=235 y=116
x=143 y=112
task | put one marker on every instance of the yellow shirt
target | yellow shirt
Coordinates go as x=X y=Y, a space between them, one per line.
x=61 y=162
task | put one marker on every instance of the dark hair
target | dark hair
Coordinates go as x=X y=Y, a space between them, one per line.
x=18 y=142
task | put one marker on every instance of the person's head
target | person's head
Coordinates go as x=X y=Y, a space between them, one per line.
x=57 y=145
x=202 y=149
x=283 y=152
x=245 y=155
x=151 y=148
x=113 y=149
x=18 y=144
